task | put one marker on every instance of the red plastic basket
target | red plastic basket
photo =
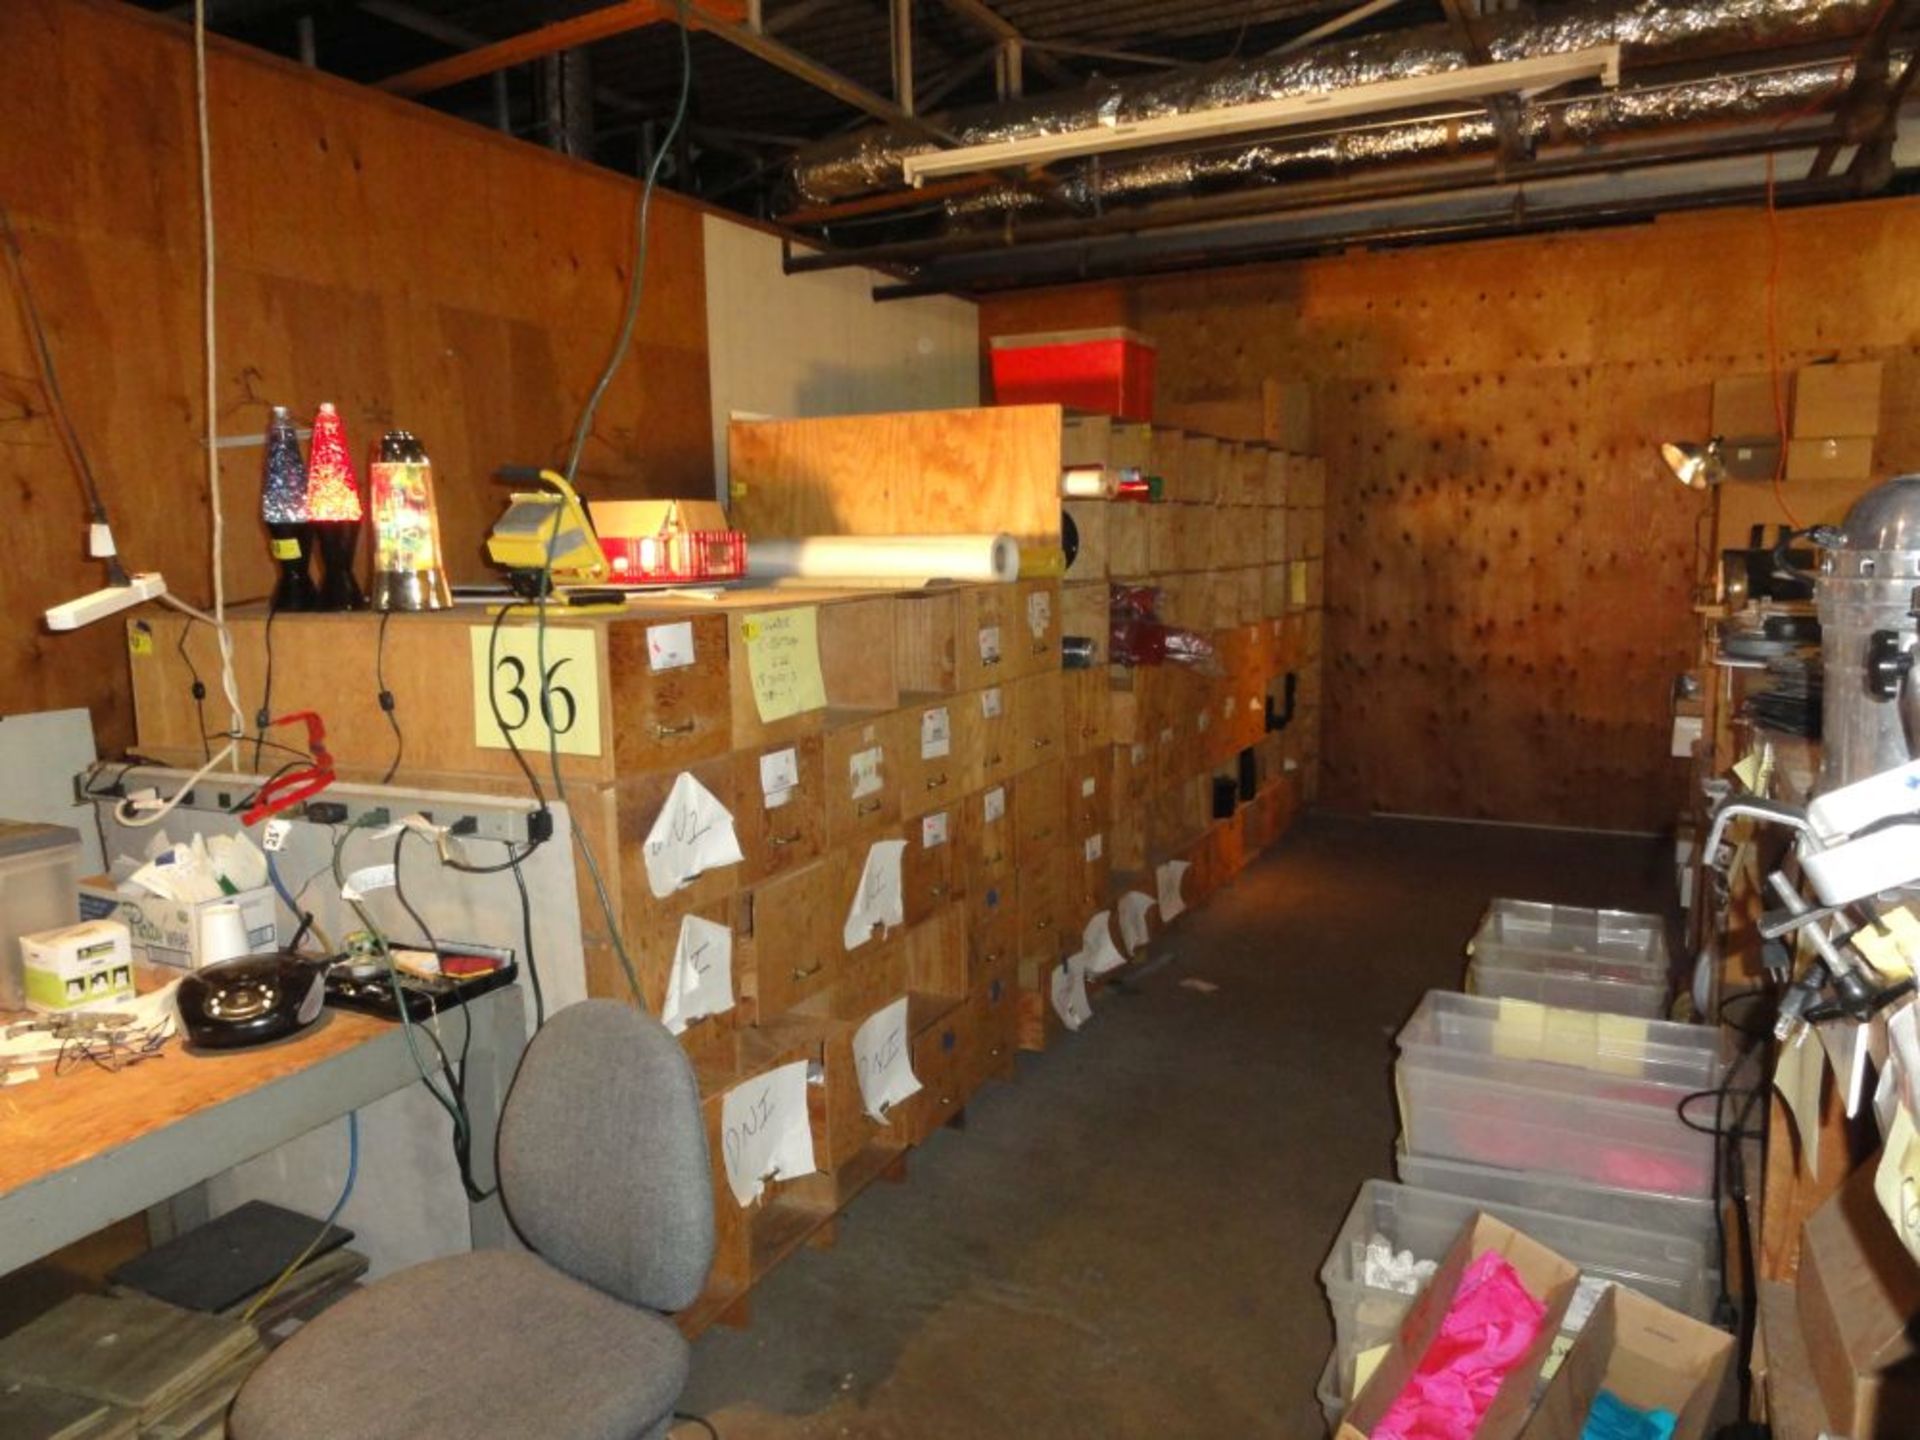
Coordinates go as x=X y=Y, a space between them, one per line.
x=677 y=557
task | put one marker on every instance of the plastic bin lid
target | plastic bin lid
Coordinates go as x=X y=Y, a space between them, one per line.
x=25 y=837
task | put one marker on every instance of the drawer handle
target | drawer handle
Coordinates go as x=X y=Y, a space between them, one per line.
x=811 y=971
x=936 y=784
x=793 y=839
x=667 y=732
x=866 y=808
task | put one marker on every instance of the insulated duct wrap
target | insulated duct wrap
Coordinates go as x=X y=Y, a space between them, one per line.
x=1650 y=31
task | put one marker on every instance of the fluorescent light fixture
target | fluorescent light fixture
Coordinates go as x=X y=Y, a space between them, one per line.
x=110 y=600
x=1525 y=77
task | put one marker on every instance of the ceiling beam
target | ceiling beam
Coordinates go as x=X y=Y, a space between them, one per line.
x=601 y=24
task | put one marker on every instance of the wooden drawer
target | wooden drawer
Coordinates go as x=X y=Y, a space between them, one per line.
x=1040 y=811
x=780 y=826
x=995 y=724
x=668 y=718
x=1039 y=719
x=1035 y=627
x=640 y=801
x=787 y=937
x=927 y=641
x=1089 y=791
x=939 y=753
x=985 y=637
x=862 y=780
x=926 y=868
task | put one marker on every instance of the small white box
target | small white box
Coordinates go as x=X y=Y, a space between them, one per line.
x=87 y=966
x=169 y=930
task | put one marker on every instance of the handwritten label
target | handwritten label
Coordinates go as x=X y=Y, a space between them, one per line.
x=990 y=702
x=863 y=771
x=1040 y=613
x=692 y=834
x=543 y=700
x=779 y=777
x=882 y=1061
x=783 y=662
x=993 y=805
x=764 y=1134
x=878 y=903
x=936 y=733
x=933 y=831
x=701 y=983
x=670 y=647
x=989 y=644
x=1094 y=848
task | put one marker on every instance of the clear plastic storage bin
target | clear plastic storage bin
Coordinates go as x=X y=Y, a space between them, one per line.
x=1520 y=1086
x=1426 y=1222
x=39 y=890
x=1611 y=960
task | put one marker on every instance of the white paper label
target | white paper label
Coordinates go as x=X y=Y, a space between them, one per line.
x=1039 y=613
x=1087 y=788
x=994 y=804
x=933 y=831
x=863 y=772
x=989 y=644
x=936 y=733
x=702 y=979
x=273 y=835
x=669 y=647
x=779 y=774
x=1094 y=848
x=883 y=1061
x=764 y=1134
x=990 y=702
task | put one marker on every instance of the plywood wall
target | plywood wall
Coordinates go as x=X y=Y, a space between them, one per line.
x=1509 y=567
x=792 y=346
x=415 y=270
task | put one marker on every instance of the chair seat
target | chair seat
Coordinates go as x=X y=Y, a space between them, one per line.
x=492 y=1343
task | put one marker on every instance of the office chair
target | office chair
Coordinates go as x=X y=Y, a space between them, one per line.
x=602 y=1162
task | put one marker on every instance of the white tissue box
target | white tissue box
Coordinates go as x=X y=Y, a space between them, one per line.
x=169 y=930
x=78 y=967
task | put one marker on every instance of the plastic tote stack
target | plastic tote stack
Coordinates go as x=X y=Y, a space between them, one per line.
x=1607 y=960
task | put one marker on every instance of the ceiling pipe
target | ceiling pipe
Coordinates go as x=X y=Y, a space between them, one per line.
x=1649 y=31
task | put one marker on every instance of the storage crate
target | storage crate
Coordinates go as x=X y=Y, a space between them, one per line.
x=1662 y=1267
x=1687 y=1217
x=1532 y=1087
x=1611 y=960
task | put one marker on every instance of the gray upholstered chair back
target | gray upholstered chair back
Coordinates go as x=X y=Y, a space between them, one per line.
x=603 y=1156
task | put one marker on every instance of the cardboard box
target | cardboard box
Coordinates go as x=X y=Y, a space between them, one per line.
x=1547 y=1276
x=1858 y=1292
x=1833 y=457
x=1642 y=1353
x=77 y=967
x=1837 y=400
x=169 y=930
x=1743 y=407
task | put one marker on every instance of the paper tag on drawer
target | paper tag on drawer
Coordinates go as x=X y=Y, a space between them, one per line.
x=989 y=644
x=669 y=647
x=994 y=804
x=863 y=771
x=779 y=774
x=1095 y=847
x=990 y=702
x=933 y=831
x=936 y=733
x=1040 y=613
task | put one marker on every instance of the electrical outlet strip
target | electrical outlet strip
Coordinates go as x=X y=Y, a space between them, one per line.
x=109 y=601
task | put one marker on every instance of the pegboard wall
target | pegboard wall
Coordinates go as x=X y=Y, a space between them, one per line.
x=1509 y=564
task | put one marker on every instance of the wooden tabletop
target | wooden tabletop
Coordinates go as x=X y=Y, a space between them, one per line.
x=58 y=1121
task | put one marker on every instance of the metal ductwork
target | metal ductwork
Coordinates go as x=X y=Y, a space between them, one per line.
x=1651 y=33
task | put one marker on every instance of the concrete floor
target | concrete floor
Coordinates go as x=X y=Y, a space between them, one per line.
x=1126 y=1241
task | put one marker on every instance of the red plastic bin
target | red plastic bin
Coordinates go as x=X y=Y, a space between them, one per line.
x=1109 y=371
